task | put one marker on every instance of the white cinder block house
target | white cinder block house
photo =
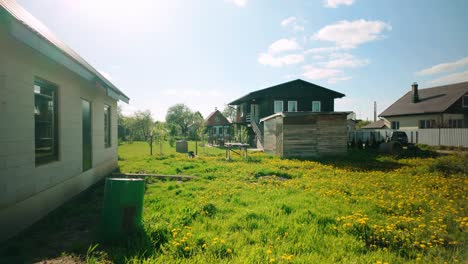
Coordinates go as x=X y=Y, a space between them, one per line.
x=58 y=121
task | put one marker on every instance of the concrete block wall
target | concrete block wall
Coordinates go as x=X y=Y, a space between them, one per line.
x=27 y=191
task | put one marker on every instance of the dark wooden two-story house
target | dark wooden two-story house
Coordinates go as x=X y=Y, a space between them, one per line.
x=293 y=96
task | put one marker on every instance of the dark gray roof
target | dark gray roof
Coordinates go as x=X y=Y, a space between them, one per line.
x=431 y=100
x=36 y=27
x=295 y=88
x=376 y=125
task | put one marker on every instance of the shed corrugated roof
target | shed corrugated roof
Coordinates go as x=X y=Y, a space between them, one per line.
x=376 y=125
x=38 y=28
x=431 y=100
x=293 y=88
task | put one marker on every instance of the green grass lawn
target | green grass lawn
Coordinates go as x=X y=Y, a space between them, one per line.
x=361 y=208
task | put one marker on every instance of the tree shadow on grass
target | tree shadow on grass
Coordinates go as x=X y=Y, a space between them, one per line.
x=371 y=160
x=71 y=233
x=361 y=160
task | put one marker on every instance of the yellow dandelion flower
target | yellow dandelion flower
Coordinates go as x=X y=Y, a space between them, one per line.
x=186 y=249
x=269 y=251
x=229 y=251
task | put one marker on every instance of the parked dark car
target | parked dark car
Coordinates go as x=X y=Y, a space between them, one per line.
x=399 y=136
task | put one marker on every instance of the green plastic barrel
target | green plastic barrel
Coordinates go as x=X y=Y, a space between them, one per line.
x=123 y=207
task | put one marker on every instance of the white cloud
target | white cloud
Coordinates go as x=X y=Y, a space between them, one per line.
x=283 y=45
x=451 y=78
x=278 y=61
x=314 y=73
x=272 y=57
x=444 y=67
x=239 y=3
x=344 y=60
x=318 y=57
x=336 y=3
x=288 y=21
x=293 y=22
x=350 y=34
x=322 y=50
x=334 y=80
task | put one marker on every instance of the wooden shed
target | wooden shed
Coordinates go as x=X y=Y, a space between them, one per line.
x=305 y=134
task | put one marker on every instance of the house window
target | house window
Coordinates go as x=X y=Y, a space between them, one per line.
x=465 y=100
x=426 y=123
x=292 y=106
x=45 y=122
x=278 y=106
x=107 y=126
x=316 y=106
x=395 y=124
x=455 y=123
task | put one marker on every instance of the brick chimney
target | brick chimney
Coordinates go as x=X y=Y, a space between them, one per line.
x=414 y=88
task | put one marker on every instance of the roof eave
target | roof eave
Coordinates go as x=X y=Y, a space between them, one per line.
x=22 y=32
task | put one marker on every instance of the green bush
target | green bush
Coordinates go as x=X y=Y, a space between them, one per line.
x=450 y=164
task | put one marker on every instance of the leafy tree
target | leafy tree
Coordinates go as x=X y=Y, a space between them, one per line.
x=362 y=123
x=181 y=117
x=241 y=134
x=160 y=132
x=230 y=113
x=197 y=123
x=142 y=127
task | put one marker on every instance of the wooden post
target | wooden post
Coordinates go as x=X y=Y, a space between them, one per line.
x=196 y=148
x=228 y=157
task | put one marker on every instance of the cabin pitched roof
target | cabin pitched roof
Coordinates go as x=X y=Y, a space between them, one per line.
x=431 y=100
x=36 y=27
x=216 y=118
x=294 y=88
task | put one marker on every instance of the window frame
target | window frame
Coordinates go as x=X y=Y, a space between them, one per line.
x=455 y=123
x=289 y=106
x=428 y=123
x=395 y=124
x=319 y=106
x=107 y=126
x=274 y=106
x=55 y=138
x=465 y=101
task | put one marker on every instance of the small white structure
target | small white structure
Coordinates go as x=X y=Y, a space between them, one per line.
x=58 y=121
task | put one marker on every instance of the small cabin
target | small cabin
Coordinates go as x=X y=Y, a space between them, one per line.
x=218 y=128
x=305 y=134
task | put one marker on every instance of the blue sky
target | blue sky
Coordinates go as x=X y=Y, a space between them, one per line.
x=206 y=53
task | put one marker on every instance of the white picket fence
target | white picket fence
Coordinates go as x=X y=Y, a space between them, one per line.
x=456 y=137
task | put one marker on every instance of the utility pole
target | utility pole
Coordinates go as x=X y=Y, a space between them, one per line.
x=375 y=111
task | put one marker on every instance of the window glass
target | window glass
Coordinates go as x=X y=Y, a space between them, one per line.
x=395 y=124
x=455 y=123
x=278 y=106
x=316 y=106
x=107 y=126
x=292 y=106
x=465 y=101
x=45 y=122
x=426 y=123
